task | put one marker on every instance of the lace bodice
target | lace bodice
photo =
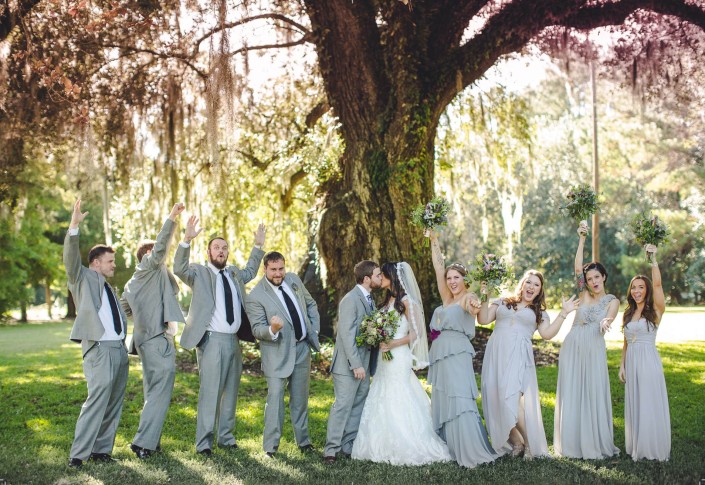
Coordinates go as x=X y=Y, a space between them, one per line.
x=592 y=315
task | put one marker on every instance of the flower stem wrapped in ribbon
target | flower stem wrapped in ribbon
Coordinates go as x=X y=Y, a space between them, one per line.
x=649 y=230
x=432 y=214
x=492 y=269
x=378 y=327
x=581 y=203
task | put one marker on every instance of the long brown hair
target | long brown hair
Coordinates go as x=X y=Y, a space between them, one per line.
x=538 y=304
x=396 y=290
x=648 y=312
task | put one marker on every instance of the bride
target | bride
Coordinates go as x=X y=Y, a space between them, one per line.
x=396 y=425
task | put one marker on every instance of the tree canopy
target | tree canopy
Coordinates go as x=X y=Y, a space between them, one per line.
x=335 y=102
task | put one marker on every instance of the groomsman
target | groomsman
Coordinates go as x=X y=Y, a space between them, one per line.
x=150 y=297
x=352 y=365
x=215 y=325
x=100 y=327
x=285 y=320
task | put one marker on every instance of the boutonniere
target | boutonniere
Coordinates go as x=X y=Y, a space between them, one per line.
x=295 y=287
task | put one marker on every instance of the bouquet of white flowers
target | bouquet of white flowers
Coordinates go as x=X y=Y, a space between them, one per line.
x=378 y=327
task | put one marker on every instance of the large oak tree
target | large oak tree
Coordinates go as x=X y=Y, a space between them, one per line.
x=389 y=70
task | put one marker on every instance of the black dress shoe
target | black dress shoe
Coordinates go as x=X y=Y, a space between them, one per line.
x=75 y=463
x=328 y=460
x=104 y=457
x=270 y=454
x=346 y=455
x=205 y=452
x=307 y=448
x=142 y=453
x=229 y=447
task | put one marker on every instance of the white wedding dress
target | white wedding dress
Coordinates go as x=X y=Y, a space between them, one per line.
x=396 y=425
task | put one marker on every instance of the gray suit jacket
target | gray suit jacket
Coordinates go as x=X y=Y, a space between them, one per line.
x=150 y=295
x=202 y=282
x=352 y=309
x=279 y=356
x=86 y=287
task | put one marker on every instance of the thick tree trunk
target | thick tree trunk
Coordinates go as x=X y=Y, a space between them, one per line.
x=366 y=215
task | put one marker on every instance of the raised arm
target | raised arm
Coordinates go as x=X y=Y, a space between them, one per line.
x=156 y=257
x=548 y=330
x=578 y=265
x=72 y=253
x=439 y=267
x=250 y=270
x=659 y=296
x=182 y=269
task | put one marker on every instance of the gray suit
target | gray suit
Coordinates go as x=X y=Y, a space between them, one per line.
x=150 y=297
x=219 y=355
x=284 y=359
x=350 y=393
x=105 y=364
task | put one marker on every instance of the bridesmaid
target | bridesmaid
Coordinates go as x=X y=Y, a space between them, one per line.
x=510 y=389
x=647 y=423
x=456 y=417
x=583 y=418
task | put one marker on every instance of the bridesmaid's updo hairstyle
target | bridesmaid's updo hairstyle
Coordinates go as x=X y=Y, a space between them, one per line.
x=460 y=269
x=538 y=304
x=594 y=265
x=389 y=270
x=649 y=313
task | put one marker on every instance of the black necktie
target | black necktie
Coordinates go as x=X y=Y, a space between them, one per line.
x=229 y=315
x=117 y=322
x=294 y=314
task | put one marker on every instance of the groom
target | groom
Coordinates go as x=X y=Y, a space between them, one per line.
x=351 y=366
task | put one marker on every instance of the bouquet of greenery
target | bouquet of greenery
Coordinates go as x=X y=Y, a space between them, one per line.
x=378 y=327
x=582 y=202
x=490 y=268
x=649 y=230
x=431 y=215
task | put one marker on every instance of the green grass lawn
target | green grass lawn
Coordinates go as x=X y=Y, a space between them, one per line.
x=42 y=389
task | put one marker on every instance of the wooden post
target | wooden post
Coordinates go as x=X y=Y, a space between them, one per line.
x=596 y=167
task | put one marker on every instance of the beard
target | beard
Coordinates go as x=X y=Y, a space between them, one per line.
x=218 y=264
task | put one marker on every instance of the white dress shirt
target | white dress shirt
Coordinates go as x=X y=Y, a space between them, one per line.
x=219 y=322
x=291 y=294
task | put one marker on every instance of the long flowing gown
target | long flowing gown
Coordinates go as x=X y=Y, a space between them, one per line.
x=647 y=422
x=508 y=371
x=582 y=425
x=396 y=424
x=456 y=417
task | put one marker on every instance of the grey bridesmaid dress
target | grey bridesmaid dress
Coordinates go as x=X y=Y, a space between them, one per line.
x=456 y=417
x=647 y=421
x=582 y=425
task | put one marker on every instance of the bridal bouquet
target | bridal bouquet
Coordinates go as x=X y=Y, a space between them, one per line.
x=378 y=327
x=649 y=230
x=490 y=268
x=582 y=202
x=431 y=215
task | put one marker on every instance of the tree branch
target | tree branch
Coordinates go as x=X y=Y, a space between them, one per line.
x=506 y=31
x=288 y=196
x=616 y=13
x=183 y=58
x=237 y=23
x=451 y=18
x=293 y=43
